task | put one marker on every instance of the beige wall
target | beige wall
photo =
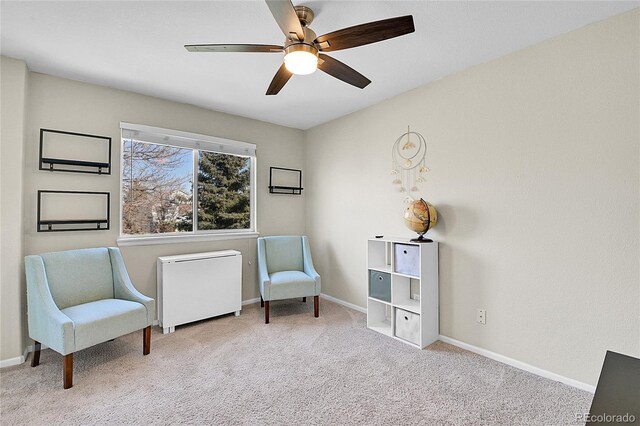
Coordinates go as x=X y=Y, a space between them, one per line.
x=13 y=90
x=70 y=105
x=535 y=173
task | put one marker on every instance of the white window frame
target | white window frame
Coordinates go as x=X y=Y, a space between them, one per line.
x=195 y=142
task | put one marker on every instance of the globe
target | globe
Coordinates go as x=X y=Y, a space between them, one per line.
x=420 y=216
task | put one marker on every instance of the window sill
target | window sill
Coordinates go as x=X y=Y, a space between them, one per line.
x=191 y=238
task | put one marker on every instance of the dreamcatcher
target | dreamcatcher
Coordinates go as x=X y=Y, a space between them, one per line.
x=408 y=162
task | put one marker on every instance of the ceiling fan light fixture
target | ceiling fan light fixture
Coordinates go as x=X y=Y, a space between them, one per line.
x=301 y=59
x=302 y=46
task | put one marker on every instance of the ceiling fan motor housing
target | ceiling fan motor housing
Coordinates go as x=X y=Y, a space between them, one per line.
x=309 y=38
x=305 y=15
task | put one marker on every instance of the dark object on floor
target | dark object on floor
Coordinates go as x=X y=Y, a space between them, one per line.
x=618 y=392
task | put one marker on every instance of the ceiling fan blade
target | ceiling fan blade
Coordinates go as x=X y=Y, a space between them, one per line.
x=245 y=48
x=343 y=72
x=371 y=32
x=279 y=80
x=286 y=17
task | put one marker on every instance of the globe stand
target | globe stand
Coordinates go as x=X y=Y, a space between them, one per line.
x=421 y=239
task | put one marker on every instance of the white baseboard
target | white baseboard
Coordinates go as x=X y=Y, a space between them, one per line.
x=250 y=301
x=492 y=355
x=20 y=359
x=322 y=295
x=13 y=361
x=518 y=364
x=343 y=303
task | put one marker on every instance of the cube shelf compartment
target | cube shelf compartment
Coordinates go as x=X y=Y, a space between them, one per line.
x=402 y=298
x=379 y=256
x=379 y=316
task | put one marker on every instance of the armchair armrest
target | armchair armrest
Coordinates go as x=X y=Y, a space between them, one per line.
x=124 y=289
x=263 y=273
x=308 y=264
x=47 y=324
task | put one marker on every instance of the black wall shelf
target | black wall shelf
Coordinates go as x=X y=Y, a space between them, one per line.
x=74 y=166
x=284 y=189
x=58 y=225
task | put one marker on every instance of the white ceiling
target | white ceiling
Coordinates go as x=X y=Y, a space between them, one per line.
x=138 y=46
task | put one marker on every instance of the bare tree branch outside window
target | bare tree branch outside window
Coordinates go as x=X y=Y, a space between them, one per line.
x=157 y=190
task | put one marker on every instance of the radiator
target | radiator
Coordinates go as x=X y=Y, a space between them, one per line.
x=192 y=287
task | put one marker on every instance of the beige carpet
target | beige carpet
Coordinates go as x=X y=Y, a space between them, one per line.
x=296 y=370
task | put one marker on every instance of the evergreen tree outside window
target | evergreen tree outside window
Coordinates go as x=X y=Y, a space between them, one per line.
x=223 y=191
x=168 y=180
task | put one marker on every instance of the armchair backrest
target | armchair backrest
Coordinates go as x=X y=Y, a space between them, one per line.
x=283 y=254
x=79 y=276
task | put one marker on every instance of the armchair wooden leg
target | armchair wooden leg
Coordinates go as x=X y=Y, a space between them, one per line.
x=146 y=340
x=304 y=300
x=266 y=312
x=316 y=306
x=35 y=357
x=261 y=302
x=68 y=371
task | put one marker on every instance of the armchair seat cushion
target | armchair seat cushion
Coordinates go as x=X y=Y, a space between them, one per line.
x=291 y=284
x=106 y=319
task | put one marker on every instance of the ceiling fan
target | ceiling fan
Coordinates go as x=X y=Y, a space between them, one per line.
x=302 y=47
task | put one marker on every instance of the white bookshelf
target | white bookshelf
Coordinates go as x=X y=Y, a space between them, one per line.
x=402 y=301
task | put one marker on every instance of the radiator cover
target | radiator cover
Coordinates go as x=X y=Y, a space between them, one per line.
x=192 y=287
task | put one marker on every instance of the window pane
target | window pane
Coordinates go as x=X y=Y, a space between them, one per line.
x=224 y=188
x=157 y=192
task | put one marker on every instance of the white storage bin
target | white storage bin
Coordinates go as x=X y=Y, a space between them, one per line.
x=407 y=259
x=408 y=326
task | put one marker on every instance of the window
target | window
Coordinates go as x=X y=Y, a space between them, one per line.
x=176 y=183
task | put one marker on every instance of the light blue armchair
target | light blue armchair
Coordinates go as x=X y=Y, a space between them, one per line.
x=79 y=298
x=286 y=271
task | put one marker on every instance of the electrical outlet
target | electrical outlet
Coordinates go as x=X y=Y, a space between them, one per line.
x=481 y=316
